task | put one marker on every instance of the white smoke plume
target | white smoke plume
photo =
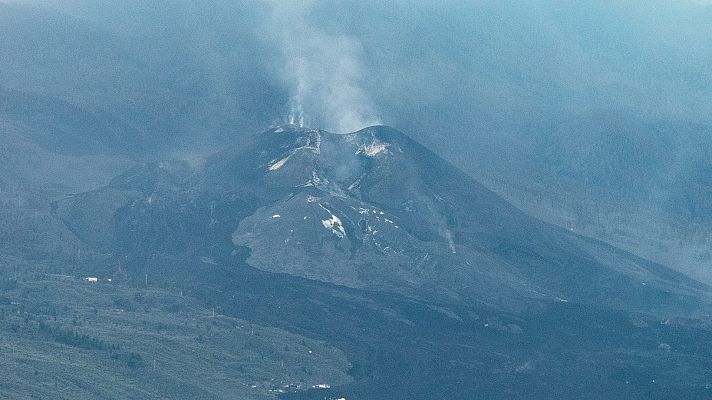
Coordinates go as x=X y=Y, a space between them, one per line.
x=322 y=71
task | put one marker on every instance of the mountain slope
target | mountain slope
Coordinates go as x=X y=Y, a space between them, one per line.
x=430 y=285
x=371 y=210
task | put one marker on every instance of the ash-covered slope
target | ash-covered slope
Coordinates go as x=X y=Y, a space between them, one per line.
x=372 y=210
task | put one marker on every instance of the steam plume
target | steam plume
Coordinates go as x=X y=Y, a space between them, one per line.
x=322 y=71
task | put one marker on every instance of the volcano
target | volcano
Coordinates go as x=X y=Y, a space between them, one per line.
x=370 y=210
x=371 y=241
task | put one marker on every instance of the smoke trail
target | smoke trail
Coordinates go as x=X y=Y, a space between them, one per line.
x=322 y=71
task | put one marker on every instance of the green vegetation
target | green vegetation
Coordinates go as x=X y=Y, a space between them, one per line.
x=71 y=337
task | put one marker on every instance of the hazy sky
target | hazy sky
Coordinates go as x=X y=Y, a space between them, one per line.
x=344 y=64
